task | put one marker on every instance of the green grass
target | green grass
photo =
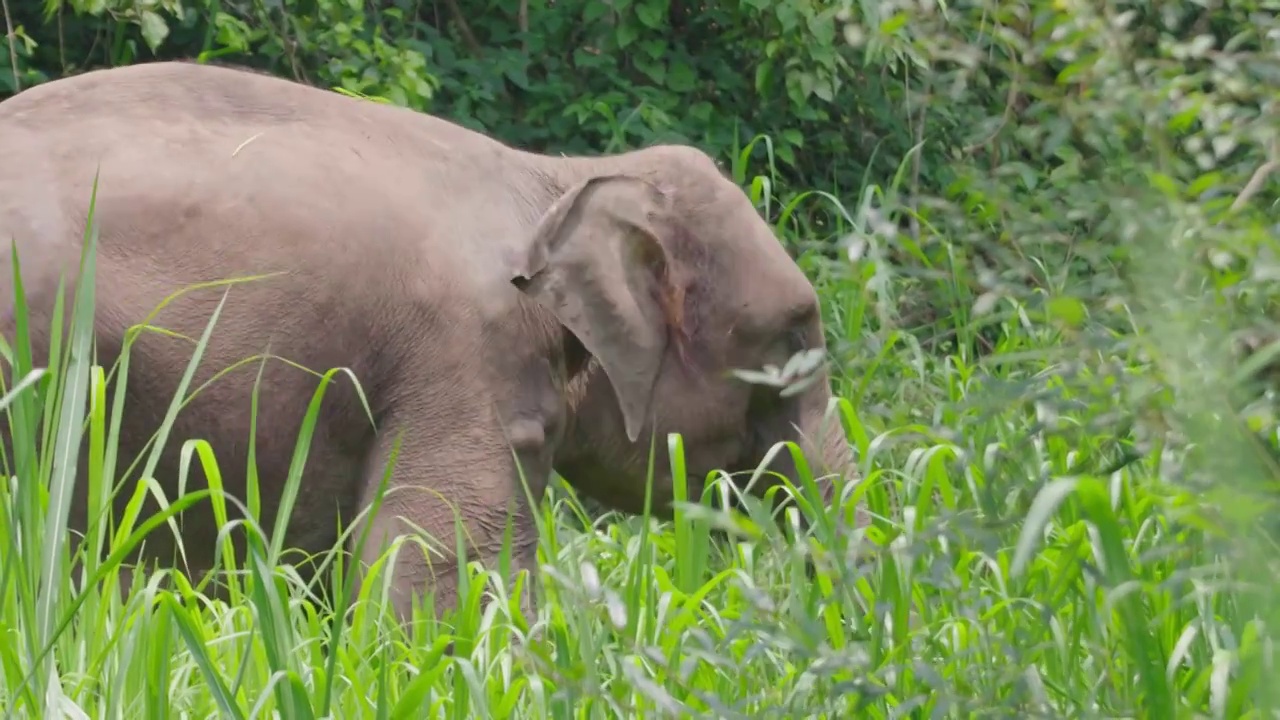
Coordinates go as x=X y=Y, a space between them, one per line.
x=1011 y=570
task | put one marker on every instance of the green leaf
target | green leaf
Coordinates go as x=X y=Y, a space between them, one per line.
x=1043 y=508
x=822 y=27
x=1067 y=310
x=680 y=77
x=410 y=703
x=655 y=48
x=799 y=86
x=655 y=70
x=651 y=13
x=787 y=16
x=594 y=11
x=188 y=628
x=1183 y=121
x=1202 y=184
x=627 y=34
x=824 y=91
x=893 y=24
x=154 y=29
x=786 y=154
x=1164 y=184
x=764 y=73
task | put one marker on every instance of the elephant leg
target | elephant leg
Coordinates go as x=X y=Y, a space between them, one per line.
x=438 y=481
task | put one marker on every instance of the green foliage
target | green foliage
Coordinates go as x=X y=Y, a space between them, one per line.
x=1045 y=238
x=574 y=76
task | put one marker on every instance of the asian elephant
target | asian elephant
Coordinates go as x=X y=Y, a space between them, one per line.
x=496 y=306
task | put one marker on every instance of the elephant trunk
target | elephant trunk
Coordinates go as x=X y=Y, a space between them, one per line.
x=831 y=459
x=828 y=454
x=821 y=439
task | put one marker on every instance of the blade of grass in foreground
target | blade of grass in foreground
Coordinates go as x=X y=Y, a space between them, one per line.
x=22 y=515
x=272 y=608
x=22 y=417
x=66 y=452
x=187 y=627
x=692 y=535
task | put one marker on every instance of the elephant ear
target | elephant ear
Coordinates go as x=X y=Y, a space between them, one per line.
x=597 y=262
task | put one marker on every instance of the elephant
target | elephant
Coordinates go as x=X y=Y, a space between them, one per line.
x=507 y=314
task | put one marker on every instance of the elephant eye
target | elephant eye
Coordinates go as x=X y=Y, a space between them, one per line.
x=801 y=331
x=791 y=342
x=797 y=339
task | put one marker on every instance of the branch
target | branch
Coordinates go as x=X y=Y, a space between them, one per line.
x=288 y=43
x=522 y=17
x=915 y=162
x=13 y=50
x=1254 y=186
x=468 y=37
x=1010 y=101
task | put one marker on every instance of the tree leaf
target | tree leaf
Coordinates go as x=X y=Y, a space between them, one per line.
x=650 y=13
x=627 y=34
x=154 y=29
x=680 y=77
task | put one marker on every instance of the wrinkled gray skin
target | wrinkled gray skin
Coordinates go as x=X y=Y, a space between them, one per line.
x=487 y=299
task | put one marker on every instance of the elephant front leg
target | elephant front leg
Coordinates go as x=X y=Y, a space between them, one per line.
x=432 y=494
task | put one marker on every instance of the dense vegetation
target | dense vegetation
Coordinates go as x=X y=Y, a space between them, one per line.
x=1045 y=234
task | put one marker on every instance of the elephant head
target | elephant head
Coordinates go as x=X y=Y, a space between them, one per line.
x=668 y=280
